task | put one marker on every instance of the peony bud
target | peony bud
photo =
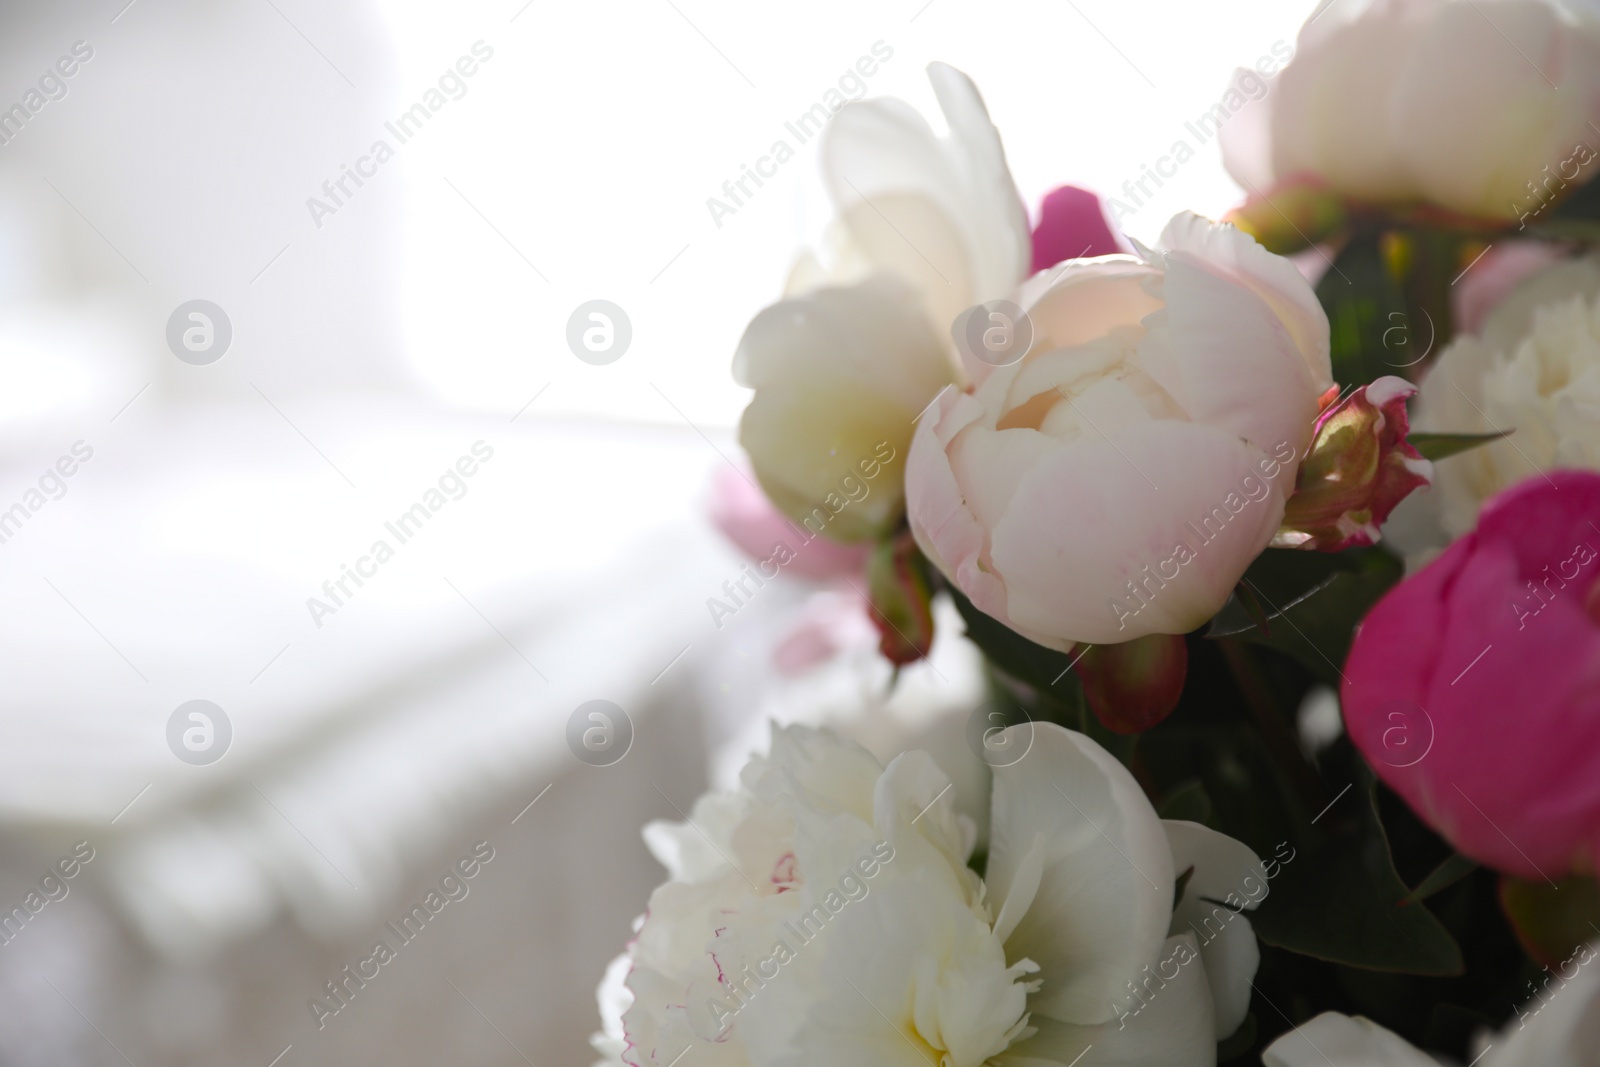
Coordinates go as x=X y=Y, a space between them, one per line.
x=1359 y=467
x=1293 y=215
x=902 y=598
x=1133 y=686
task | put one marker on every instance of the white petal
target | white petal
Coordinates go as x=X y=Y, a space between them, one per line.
x=1167 y=1025
x=915 y=810
x=1342 y=1041
x=614 y=998
x=1104 y=898
x=906 y=974
x=839 y=376
x=1094 y=516
x=1224 y=870
x=1562 y=1027
x=942 y=214
x=993 y=212
x=816 y=767
x=1246 y=138
x=1335 y=99
x=1082 y=300
x=1487 y=100
x=1235 y=256
x=942 y=521
x=697 y=850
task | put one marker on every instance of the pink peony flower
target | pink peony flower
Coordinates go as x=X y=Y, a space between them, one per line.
x=1072 y=225
x=1117 y=478
x=747 y=518
x=1473 y=687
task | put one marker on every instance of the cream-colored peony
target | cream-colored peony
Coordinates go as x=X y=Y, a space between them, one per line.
x=841 y=368
x=824 y=916
x=1534 y=369
x=1117 y=480
x=1480 y=106
x=1558 y=1028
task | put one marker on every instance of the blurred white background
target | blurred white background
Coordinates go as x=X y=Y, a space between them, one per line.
x=372 y=348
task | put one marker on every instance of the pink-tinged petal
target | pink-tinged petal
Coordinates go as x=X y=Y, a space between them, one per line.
x=1072 y=225
x=944 y=526
x=1196 y=370
x=1487 y=282
x=1332 y=110
x=1072 y=304
x=747 y=518
x=1476 y=121
x=827 y=624
x=1238 y=257
x=1471 y=686
x=1241 y=370
x=1080 y=301
x=1246 y=138
x=1093 y=547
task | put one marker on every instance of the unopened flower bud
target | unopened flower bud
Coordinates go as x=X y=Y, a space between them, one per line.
x=1133 y=686
x=1360 y=466
x=1293 y=215
x=901 y=593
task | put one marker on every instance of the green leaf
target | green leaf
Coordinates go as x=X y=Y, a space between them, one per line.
x=1043 y=668
x=1556 y=229
x=1344 y=903
x=1583 y=203
x=1180 y=886
x=1438 y=446
x=1319 y=624
x=1251 y=603
x=1452 y=870
x=1189 y=802
x=1552 y=920
x=1278 y=579
x=1370 y=333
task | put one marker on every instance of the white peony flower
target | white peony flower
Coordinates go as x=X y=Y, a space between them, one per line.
x=1480 y=106
x=614 y=997
x=824 y=916
x=1534 y=370
x=1117 y=480
x=927 y=227
x=1559 y=1028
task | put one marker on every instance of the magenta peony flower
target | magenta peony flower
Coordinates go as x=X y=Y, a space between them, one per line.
x=1473 y=687
x=1072 y=225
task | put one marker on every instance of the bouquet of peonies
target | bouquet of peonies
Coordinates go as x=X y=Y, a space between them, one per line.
x=1280 y=773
